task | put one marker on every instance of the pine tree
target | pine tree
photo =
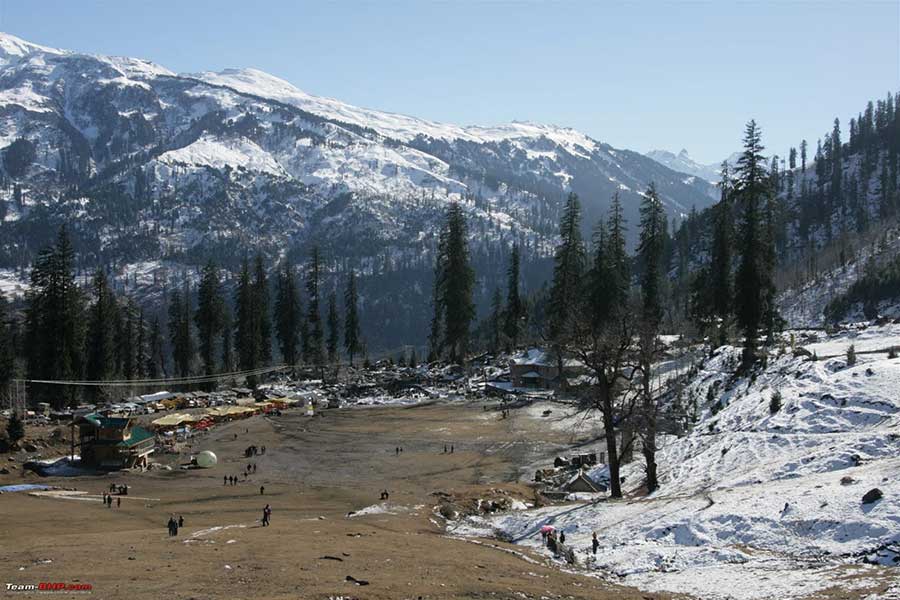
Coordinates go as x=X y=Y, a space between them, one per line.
x=54 y=321
x=180 y=334
x=618 y=271
x=720 y=263
x=209 y=316
x=753 y=275
x=140 y=346
x=247 y=335
x=263 y=310
x=604 y=334
x=334 y=329
x=287 y=314
x=7 y=356
x=568 y=269
x=513 y=312
x=456 y=280
x=155 y=359
x=316 y=350
x=837 y=168
x=227 y=341
x=650 y=254
x=495 y=321
x=351 y=318
x=101 y=341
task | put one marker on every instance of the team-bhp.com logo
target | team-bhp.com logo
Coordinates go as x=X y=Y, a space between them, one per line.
x=47 y=586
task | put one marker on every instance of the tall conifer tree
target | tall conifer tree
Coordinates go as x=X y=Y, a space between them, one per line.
x=352 y=340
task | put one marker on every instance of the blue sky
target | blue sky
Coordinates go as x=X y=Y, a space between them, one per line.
x=638 y=75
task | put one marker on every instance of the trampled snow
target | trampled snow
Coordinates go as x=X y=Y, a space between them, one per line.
x=753 y=503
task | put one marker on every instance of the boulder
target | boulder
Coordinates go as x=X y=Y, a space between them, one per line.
x=873 y=495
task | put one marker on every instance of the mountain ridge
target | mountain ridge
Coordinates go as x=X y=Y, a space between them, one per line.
x=152 y=166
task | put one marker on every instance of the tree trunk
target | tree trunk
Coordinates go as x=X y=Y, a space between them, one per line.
x=609 y=429
x=648 y=437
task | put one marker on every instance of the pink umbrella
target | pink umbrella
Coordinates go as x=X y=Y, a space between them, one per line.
x=547 y=529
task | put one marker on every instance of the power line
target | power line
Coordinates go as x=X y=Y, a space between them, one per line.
x=154 y=382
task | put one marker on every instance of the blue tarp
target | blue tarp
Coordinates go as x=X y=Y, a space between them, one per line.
x=24 y=487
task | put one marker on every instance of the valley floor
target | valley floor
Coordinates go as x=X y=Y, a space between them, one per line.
x=756 y=502
x=315 y=471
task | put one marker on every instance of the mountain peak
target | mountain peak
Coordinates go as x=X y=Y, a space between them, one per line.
x=13 y=47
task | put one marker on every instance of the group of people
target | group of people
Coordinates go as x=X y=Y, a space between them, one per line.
x=108 y=500
x=231 y=479
x=254 y=450
x=554 y=540
x=398 y=450
x=174 y=524
x=121 y=490
x=451 y=448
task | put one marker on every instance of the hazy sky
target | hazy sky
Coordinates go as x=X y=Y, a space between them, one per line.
x=638 y=75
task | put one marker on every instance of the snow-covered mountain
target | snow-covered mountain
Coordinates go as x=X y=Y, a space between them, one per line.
x=683 y=163
x=148 y=165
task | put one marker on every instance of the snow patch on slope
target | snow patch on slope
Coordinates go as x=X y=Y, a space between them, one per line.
x=218 y=154
x=754 y=504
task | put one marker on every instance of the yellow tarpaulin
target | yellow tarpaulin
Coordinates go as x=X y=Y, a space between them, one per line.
x=174 y=419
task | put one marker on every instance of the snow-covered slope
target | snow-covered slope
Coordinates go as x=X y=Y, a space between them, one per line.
x=804 y=304
x=757 y=501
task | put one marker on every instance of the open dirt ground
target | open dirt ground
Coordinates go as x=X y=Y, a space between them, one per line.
x=315 y=471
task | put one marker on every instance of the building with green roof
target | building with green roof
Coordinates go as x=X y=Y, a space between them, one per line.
x=113 y=442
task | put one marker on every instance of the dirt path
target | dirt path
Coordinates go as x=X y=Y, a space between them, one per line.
x=315 y=472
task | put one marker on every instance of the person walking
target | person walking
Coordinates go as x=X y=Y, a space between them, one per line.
x=119 y=502
x=180 y=521
x=225 y=480
x=172 y=525
x=262 y=490
x=267 y=514
x=595 y=543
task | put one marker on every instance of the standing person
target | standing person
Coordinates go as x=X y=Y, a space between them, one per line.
x=118 y=502
x=262 y=490
x=451 y=448
x=225 y=480
x=172 y=526
x=595 y=543
x=180 y=521
x=267 y=512
x=562 y=537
